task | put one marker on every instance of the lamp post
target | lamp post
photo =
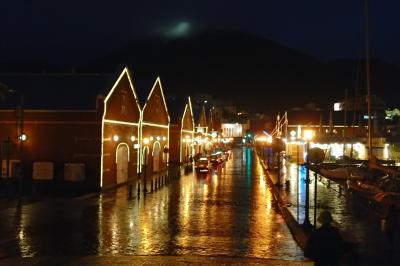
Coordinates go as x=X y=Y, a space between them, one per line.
x=308 y=135
x=145 y=155
x=269 y=140
x=145 y=175
x=316 y=156
x=21 y=136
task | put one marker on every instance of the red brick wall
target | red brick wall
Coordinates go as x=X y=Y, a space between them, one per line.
x=152 y=131
x=155 y=111
x=59 y=137
x=174 y=144
x=121 y=106
x=124 y=133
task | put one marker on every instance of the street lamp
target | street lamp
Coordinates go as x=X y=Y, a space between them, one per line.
x=308 y=135
x=21 y=136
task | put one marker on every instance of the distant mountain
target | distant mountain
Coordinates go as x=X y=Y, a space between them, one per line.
x=256 y=73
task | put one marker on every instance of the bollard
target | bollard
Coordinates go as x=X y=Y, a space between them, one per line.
x=155 y=183
x=159 y=183
x=287 y=185
x=151 y=185
x=130 y=191
x=138 y=190
x=329 y=183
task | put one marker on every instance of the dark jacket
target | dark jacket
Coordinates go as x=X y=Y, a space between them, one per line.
x=325 y=246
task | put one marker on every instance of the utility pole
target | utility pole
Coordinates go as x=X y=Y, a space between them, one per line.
x=367 y=65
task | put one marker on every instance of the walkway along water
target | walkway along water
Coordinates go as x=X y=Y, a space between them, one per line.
x=359 y=220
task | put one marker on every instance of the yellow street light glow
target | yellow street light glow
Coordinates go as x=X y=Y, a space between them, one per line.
x=158 y=138
x=308 y=134
x=164 y=138
x=262 y=139
x=23 y=137
x=115 y=138
x=133 y=138
x=269 y=139
x=151 y=138
x=293 y=133
x=146 y=141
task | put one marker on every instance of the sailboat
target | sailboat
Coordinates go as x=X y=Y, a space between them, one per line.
x=357 y=173
x=386 y=189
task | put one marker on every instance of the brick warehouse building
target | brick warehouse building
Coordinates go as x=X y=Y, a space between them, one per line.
x=120 y=133
x=181 y=130
x=155 y=132
x=72 y=135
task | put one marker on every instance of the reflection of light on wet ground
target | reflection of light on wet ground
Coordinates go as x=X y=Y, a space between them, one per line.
x=229 y=211
x=24 y=239
x=24 y=244
x=267 y=229
x=263 y=184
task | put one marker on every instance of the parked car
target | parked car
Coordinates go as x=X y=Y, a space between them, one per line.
x=216 y=158
x=202 y=164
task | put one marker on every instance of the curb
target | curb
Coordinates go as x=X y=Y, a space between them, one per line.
x=298 y=232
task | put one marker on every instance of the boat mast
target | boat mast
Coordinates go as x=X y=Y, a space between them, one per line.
x=355 y=108
x=345 y=122
x=367 y=65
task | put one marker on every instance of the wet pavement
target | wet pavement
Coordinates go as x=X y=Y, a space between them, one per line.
x=227 y=213
x=358 y=219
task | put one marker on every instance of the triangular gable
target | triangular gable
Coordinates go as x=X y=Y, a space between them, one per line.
x=121 y=103
x=187 y=118
x=211 y=120
x=203 y=118
x=155 y=109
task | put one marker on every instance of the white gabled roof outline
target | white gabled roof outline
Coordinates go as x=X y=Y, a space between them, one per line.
x=127 y=72
x=158 y=81
x=123 y=72
x=188 y=104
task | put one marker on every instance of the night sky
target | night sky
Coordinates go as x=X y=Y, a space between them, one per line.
x=75 y=32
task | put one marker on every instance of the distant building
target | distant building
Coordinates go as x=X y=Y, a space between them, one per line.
x=182 y=130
